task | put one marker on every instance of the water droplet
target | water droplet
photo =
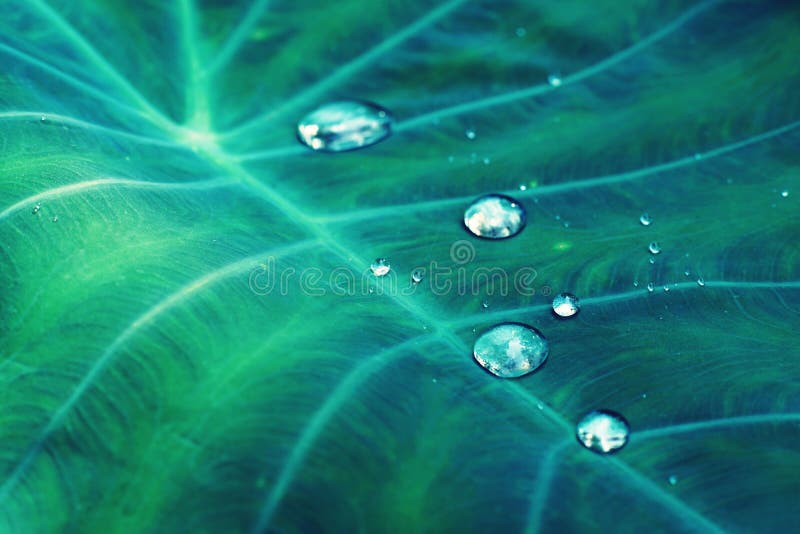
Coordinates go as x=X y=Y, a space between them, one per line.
x=495 y=217
x=644 y=395
x=523 y=187
x=55 y=218
x=485 y=304
x=701 y=282
x=784 y=193
x=651 y=287
x=654 y=248
x=44 y=118
x=470 y=133
x=540 y=405
x=510 y=350
x=666 y=289
x=433 y=380
x=417 y=276
x=652 y=261
x=486 y=161
x=554 y=80
x=521 y=32
x=645 y=219
x=698 y=156
x=450 y=159
x=603 y=431
x=380 y=267
x=36 y=209
x=687 y=272
x=635 y=283
x=344 y=125
x=672 y=480
x=566 y=305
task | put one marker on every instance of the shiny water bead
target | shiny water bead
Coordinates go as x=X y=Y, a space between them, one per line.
x=554 y=80
x=654 y=248
x=701 y=282
x=417 y=276
x=645 y=219
x=36 y=209
x=566 y=305
x=672 y=480
x=380 y=267
x=344 y=125
x=651 y=287
x=495 y=217
x=603 y=431
x=470 y=133
x=510 y=350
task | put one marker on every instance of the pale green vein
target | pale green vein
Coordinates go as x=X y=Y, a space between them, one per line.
x=536 y=90
x=311 y=94
x=197 y=112
x=71 y=80
x=541 y=493
x=55 y=118
x=691 y=518
x=577 y=185
x=75 y=188
x=714 y=424
x=273 y=153
x=343 y=391
x=237 y=38
x=77 y=40
x=619 y=297
x=142 y=321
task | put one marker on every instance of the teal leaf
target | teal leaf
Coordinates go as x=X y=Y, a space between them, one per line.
x=190 y=336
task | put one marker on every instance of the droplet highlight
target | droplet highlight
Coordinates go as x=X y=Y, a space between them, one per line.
x=380 y=267
x=603 y=431
x=566 y=305
x=470 y=133
x=511 y=350
x=36 y=209
x=654 y=248
x=554 y=80
x=417 y=276
x=494 y=217
x=672 y=480
x=344 y=125
x=645 y=219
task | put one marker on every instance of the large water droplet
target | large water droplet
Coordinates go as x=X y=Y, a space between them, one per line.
x=603 y=431
x=509 y=350
x=654 y=248
x=380 y=267
x=645 y=219
x=495 y=217
x=344 y=125
x=566 y=305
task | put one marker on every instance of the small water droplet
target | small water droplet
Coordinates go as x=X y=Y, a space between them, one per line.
x=450 y=159
x=652 y=261
x=701 y=282
x=510 y=350
x=672 y=480
x=687 y=272
x=485 y=304
x=651 y=287
x=784 y=193
x=470 y=133
x=344 y=125
x=566 y=305
x=494 y=217
x=554 y=80
x=55 y=218
x=635 y=283
x=372 y=290
x=666 y=289
x=44 y=118
x=645 y=219
x=417 y=276
x=523 y=187
x=654 y=248
x=521 y=32
x=380 y=267
x=603 y=431
x=644 y=395
x=36 y=209
x=698 y=156
x=540 y=405
x=433 y=380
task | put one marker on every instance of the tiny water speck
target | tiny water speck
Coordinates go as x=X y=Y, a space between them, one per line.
x=651 y=287
x=687 y=272
x=645 y=219
x=603 y=431
x=554 y=80
x=784 y=194
x=654 y=248
x=417 y=276
x=701 y=282
x=470 y=133
x=495 y=217
x=511 y=350
x=380 y=267
x=344 y=125
x=521 y=32
x=566 y=305
x=672 y=480
x=55 y=218
x=652 y=261
x=666 y=289
x=36 y=209
x=523 y=187
x=485 y=304
x=44 y=119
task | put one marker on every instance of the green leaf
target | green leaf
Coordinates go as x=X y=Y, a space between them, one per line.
x=157 y=378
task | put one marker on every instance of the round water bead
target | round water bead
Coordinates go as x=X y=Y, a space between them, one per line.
x=645 y=219
x=510 y=350
x=344 y=125
x=654 y=248
x=603 y=431
x=566 y=305
x=380 y=267
x=495 y=217
x=417 y=276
